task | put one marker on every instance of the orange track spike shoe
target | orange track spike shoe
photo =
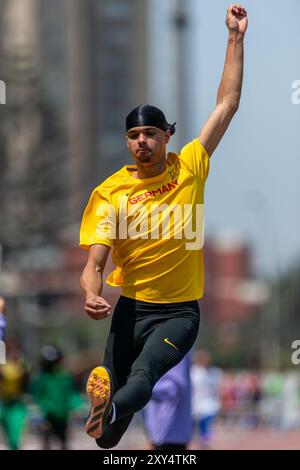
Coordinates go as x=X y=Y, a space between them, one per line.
x=99 y=389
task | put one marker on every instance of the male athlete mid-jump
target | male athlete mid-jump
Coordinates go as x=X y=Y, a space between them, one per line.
x=148 y=212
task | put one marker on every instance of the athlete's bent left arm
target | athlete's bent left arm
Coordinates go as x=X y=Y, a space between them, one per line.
x=229 y=93
x=91 y=282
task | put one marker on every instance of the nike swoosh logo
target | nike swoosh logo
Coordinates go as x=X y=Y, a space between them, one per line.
x=171 y=344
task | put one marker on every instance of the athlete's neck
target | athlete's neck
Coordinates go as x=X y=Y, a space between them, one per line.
x=151 y=171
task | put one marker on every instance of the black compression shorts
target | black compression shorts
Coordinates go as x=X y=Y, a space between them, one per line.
x=145 y=341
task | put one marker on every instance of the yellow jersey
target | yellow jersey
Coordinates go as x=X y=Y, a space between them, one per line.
x=155 y=226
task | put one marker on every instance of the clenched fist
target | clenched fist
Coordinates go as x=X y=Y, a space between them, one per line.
x=97 y=308
x=236 y=19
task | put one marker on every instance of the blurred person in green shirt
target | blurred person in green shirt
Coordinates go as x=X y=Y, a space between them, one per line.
x=54 y=391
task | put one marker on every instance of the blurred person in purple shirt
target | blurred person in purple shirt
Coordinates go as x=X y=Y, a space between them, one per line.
x=167 y=416
x=2 y=319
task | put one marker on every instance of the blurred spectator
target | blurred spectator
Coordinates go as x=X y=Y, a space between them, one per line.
x=54 y=391
x=206 y=403
x=2 y=318
x=230 y=398
x=254 y=395
x=13 y=382
x=290 y=395
x=272 y=406
x=167 y=416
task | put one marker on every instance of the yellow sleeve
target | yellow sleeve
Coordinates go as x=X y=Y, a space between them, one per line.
x=99 y=221
x=196 y=159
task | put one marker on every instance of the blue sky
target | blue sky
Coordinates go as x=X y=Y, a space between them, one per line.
x=253 y=188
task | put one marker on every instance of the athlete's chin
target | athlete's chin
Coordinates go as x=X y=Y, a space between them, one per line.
x=144 y=159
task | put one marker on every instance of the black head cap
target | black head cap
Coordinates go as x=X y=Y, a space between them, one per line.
x=147 y=115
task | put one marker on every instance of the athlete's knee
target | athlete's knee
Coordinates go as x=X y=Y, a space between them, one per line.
x=143 y=376
x=108 y=443
x=111 y=436
x=143 y=382
x=113 y=433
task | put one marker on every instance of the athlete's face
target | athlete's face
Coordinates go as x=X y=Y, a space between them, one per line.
x=147 y=144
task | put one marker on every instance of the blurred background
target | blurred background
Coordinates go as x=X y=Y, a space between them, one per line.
x=73 y=69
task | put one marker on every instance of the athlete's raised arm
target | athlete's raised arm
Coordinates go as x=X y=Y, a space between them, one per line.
x=230 y=88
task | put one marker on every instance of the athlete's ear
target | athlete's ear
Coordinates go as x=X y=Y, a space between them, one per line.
x=167 y=136
x=126 y=137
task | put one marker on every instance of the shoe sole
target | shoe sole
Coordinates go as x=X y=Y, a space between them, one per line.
x=100 y=409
